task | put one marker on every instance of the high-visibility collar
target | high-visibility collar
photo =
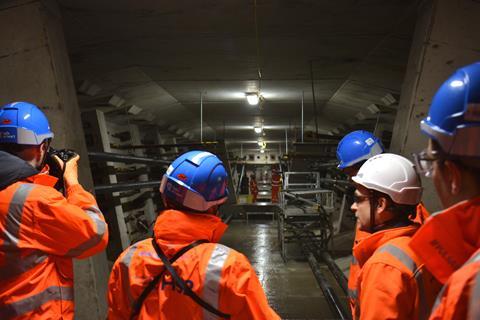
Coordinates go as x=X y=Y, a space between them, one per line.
x=368 y=245
x=448 y=238
x=175 y=229
x=43 y=178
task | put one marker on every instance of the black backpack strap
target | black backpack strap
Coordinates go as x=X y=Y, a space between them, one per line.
x=207 y=306
x=137 y=305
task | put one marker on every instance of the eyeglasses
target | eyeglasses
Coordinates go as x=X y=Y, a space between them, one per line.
x=424 y=162
x=358 y=199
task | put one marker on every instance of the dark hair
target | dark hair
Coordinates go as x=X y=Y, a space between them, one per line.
x=171 y=204
x=466 y=163
x=14 y=148
x=399 y=210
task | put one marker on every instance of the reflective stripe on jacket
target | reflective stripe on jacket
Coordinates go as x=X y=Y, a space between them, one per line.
x=40 y=232
x=460 y=297
x=449 y=242
x=421 y=216
x=354 y=271
x=392 y=283
x=218 y=274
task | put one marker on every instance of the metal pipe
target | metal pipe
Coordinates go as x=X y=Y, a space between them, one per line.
x=167 y=145
x=335 y=270
x=201 y=117
x=334 y=302
x=109 y=188
x=307 y=201
x=314 y=100
x=286 y=141
x=302 y=114
x=125 y=158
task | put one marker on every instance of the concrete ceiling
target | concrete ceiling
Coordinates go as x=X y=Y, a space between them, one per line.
x=161 y=55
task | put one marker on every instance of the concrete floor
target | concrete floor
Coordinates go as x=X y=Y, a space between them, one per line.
x=290 y=287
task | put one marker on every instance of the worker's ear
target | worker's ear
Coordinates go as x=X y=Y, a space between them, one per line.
x=381 y=205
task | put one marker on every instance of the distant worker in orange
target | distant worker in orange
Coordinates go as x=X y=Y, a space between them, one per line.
x=392 y=282
x=276 y=184
x=183 y=272
x=253 y=188
x=40 y=229
x=449 y=242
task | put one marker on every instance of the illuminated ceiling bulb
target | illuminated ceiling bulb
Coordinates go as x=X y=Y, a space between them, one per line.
x=257 y=130
x=260 y=143
x=253 y=98
x=262 y=150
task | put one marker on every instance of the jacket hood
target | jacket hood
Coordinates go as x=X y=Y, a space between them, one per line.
x=367 y=246
x=13 y=169
x=176 y=229
x=449 y=238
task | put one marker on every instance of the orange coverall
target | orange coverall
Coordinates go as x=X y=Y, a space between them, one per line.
x=40 y=232
x=392 y=283
x=449 y=243
x=422 y=215
x=218 y=274
x=276 y=184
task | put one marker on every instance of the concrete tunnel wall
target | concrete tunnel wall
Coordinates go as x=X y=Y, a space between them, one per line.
x=35 y=67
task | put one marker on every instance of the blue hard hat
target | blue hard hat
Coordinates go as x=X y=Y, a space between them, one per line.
x=357 y=146
x=453 y=120
x=23 y=123
x=196 y=180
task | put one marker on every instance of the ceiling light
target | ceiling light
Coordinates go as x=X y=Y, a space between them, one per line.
x=253 y=98
x=260 y=143
x=133 y=109
x=262 y=150
x=257 y=129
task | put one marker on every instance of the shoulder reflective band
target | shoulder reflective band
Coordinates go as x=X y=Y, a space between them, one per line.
x=125 y=273
x=14 y=263
x=474 y=308
x=101 y=227
x=23 y=306
x=213 y=275
x=408 y=262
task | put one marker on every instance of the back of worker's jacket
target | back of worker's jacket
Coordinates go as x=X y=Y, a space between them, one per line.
x=421 y=215
x=392 y=283
x=40 y=232
x=449 y=243
x=219 y=275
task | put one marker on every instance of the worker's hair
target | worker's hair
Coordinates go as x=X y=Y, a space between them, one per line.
x=14 y=148
x=171 y=204
x=401 y=211
x=469 y=164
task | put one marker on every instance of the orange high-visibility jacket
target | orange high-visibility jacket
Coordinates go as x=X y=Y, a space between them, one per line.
x=420 y=217
x=40 y=232
x=392 y=283
x=216 y=273
x=449 y=243
x=354 y=270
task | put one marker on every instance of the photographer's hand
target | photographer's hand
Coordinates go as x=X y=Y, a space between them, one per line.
x=70 y=173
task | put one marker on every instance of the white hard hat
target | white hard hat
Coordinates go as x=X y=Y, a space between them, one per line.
x=393 y=175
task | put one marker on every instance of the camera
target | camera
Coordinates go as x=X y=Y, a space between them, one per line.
x=54 y=168
x=63 y=154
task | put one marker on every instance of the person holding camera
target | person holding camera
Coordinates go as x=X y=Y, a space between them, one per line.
x=41 y=230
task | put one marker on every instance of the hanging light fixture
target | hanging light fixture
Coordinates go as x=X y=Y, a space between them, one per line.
x=258 y=129
x=253 y=98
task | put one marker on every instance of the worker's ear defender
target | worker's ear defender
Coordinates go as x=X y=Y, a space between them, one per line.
x=54 y=168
